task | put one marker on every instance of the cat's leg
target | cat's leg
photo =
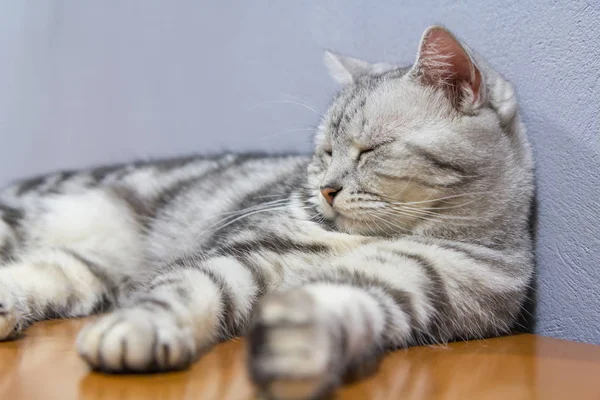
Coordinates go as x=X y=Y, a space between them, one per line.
x=383 y=296
x=193 y=304
x=304 y=341
x=78 y=251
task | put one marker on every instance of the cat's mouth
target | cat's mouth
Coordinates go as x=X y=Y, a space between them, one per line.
x=354 y=219
x=367 y=222
x=339 y=218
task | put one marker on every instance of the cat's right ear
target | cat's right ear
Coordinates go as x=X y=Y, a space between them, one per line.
x=443 y=62
x=346 y=70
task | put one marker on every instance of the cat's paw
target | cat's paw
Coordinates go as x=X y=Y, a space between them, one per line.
x=292 y=352
x=136 y=340
x=12 y=315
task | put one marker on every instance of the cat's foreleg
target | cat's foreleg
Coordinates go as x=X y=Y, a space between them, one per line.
x=193 y=304
x=381 y=296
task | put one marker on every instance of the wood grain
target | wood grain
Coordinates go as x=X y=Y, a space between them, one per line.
x=44 y=366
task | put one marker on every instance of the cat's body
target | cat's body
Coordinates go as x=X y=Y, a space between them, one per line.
x=424 y=241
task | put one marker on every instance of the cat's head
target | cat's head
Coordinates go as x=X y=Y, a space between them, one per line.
x=438 y=145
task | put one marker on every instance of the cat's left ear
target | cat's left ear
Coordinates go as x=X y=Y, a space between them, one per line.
x=443 y=62
x=346 y=70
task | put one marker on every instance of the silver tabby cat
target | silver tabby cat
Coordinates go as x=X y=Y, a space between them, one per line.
x=408 y=225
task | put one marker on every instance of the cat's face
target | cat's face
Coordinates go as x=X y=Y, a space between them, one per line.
x=406 y=148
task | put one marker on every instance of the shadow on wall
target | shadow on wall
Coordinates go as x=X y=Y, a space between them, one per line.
x=526 y=320
x=565 y=227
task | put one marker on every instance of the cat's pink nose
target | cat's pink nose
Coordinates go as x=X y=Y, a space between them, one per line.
x=329 y=194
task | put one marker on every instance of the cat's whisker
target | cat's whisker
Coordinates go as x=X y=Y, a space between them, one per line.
x=422 y=217
x=443 y=198
x=410 y=215
x=280 y=196
x=409 y=207
x=391 y=224
x=373 y=231
x=260 y=207
x=285 y=102
x=431 y=213
x=253 y=207
x=444 y=208
x=275 y=208
x=299 y=100
x=377 y=225
x=287 y=132
x=414 y=211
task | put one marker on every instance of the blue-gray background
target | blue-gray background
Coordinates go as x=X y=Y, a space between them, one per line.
x=87 y=82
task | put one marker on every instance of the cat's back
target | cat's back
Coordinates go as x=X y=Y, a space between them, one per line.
x=154 y=179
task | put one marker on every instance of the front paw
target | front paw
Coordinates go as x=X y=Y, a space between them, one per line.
x=136 y=340
x=13 y=317
x=293 y=354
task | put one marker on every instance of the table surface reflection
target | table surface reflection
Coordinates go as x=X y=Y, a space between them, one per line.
x=44 y=366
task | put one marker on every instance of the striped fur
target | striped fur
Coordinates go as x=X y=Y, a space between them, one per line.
x=426 y=241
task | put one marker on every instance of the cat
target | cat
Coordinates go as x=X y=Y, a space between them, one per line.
x=408 y=225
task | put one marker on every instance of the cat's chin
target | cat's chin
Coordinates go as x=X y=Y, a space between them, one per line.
x=355 y=226
x=368 y=227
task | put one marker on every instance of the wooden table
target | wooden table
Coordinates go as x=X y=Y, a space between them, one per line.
x=44 y=366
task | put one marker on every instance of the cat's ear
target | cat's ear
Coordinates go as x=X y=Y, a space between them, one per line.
x=346 y=70
x=443 y=62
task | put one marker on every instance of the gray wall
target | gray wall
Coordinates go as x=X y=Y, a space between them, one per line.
x=86 y=82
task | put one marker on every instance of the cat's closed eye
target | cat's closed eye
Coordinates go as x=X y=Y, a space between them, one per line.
x=364 y=152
